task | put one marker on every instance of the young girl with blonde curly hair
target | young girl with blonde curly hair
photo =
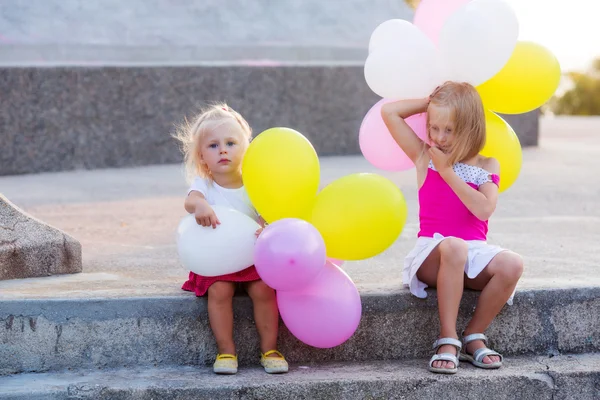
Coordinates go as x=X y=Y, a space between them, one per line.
x=214 y=144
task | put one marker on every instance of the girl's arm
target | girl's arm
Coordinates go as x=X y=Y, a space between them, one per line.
x=482 y=202
x=196 y=204
x=393 y=115
x=192 y=200
x=262 y=222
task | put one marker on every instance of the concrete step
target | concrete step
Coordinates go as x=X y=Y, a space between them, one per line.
x=46 y=335
x=561 y=377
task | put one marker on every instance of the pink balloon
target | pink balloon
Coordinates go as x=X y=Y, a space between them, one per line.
x=431 y=15
x=289 y=254
x=335 y=261
x=377 y=144
x=325 y=313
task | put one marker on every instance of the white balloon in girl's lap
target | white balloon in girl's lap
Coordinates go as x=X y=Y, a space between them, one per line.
x=224 y=250
x=406 y=67
x=478 y=39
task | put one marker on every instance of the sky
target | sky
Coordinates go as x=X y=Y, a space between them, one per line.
x=570 y=29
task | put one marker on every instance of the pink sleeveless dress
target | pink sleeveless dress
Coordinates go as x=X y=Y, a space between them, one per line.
x=441 y=215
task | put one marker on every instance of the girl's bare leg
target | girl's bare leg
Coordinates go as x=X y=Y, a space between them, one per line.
x=266 y=314
x=220 y=315
x=497 y=283
x=444 y=269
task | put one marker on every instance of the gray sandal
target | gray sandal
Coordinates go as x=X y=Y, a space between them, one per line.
x=477 y=358
x=445 y=356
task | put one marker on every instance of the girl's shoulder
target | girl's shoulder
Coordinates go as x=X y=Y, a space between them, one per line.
x=490 y=164
x=201 y=184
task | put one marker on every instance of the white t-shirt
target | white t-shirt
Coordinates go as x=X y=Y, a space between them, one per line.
x=217 y=195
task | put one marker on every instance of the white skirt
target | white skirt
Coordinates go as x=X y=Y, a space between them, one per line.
x=480 y=255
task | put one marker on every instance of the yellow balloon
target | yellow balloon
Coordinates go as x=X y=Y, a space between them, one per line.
x=359 y=216
x=527 y=81
x=281 y=174
x=503 y=144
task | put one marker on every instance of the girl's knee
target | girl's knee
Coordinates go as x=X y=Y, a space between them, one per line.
x=454 y=250
x=221 y=291
x=259 y=291
x=511 y=267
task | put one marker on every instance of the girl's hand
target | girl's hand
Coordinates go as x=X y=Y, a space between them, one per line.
x=205 y=215
x=440 y=160
x=259 y=231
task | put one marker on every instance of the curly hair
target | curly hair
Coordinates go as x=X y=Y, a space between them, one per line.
x=189 y=134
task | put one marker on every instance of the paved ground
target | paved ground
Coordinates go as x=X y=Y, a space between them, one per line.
x=126 y=220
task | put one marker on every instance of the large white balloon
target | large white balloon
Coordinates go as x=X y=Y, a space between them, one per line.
x=403 y=66
x=224 y=250
x=388 y=33
x=477 y=40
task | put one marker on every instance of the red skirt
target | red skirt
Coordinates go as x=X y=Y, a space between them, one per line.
x=199 y=284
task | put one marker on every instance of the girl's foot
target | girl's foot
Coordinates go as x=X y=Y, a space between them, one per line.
x=225 y=364
x=478 y=354
x=445 y=361
x=475 y=345
x=274 y=362
x=449 y=349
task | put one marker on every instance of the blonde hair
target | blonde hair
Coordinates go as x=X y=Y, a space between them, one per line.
x=189 y=134
x=464 y=103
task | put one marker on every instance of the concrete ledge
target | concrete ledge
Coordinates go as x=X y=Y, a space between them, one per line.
x=564 y=377
x=30 y=248
x=43 y=335
x=63 y=118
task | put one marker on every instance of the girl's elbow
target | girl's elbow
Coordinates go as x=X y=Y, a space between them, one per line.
x=385 y=112
x=485 y=213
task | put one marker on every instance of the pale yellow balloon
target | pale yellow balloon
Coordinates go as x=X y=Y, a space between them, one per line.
x=527 y=81
x=503 y=144
x=359 y=216
x=281 y=174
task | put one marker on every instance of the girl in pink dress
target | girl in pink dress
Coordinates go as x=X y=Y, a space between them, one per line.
x=214 y=145
x=458 y=190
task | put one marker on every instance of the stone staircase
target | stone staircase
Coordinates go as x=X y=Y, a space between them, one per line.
x=162 y=347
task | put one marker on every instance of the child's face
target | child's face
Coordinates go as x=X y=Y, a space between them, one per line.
x=441 y=127
x=223 y=148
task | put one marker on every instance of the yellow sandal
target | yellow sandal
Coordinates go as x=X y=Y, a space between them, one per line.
x=226 y=364
x=274 y=365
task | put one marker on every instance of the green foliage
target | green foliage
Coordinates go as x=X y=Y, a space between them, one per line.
x=583 y=96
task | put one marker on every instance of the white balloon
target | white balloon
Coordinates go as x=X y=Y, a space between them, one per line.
x=478 y=39
x=407 y=68
x=388 y=33
x=224 y=250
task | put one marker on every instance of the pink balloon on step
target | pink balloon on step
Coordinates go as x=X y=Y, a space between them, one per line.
x=377 y=144
x=431 y=15
x=326 y=312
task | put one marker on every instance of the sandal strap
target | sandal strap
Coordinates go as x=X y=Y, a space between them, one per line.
x=450 y=341
x=483 y=352
x=474 y=336
x=226 y=357
x=268 y=353
x=444 y=357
